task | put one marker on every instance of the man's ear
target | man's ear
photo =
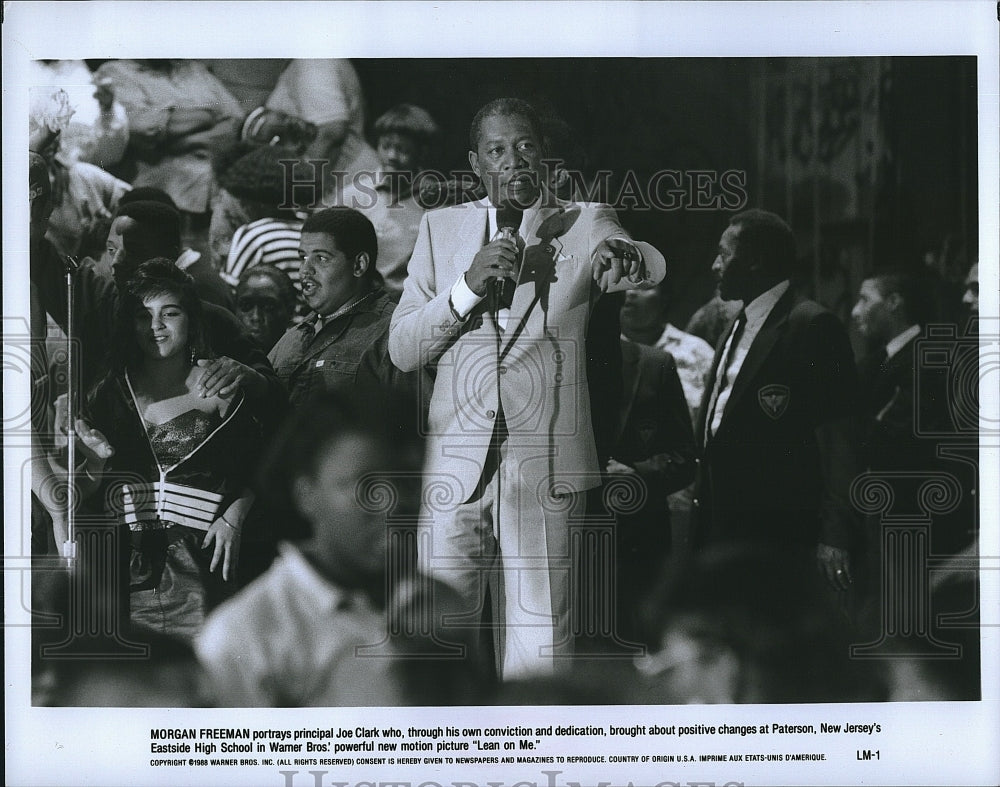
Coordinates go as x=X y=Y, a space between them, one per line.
x=894 y=301
x=361 y=263
x=474 y=163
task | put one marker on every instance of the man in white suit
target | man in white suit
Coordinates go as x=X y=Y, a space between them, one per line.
x=510 y=439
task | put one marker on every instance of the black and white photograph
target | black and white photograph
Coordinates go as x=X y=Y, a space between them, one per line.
x=495 y=393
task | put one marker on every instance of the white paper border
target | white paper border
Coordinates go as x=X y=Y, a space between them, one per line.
x=940 y=743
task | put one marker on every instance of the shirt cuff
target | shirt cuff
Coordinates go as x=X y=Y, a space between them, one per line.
x=463 y=300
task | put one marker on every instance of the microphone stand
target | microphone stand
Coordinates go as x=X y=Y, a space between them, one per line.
x=69 y=545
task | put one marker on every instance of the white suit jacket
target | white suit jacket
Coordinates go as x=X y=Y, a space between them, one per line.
x=536 y=367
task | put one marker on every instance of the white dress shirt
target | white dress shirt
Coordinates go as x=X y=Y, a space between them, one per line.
x=899 y=342
x=757 y=312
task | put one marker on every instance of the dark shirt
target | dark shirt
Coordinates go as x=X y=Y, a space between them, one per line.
x=347 y=351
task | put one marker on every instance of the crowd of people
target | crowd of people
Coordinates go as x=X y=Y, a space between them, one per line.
x=340 y=449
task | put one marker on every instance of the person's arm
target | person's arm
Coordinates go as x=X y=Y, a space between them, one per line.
x=834 y=390
x=424 y=323
x=427 y=320
x=619 y=262
x=95 y=294
x=92 y=451
x=225 y=535
x=240 y=364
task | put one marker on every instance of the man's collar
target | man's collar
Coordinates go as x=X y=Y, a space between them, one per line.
x=758 y=309
x=899 y=342
x=317 y=321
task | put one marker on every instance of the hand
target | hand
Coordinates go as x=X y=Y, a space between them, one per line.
x=222 y=377
x=93 y=443
x=835 y=564
x=614 y=259
x=496 y=260
x=227 y=547
x=617 y=468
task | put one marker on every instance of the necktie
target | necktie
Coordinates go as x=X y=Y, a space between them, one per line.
x=721 y=374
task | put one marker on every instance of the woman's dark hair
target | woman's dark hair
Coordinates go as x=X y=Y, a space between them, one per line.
x=154 y=277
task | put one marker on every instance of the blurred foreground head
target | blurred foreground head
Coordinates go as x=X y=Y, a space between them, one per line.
x=169 y=676
x=745 y=625
x=347 y=466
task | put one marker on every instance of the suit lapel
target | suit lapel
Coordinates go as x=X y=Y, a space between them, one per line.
x=470 y=234
x=770 y=332
x=529 y=290
x=713 y=374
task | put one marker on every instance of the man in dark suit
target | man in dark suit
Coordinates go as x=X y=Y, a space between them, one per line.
x=889 y=313
x=904 y=416
x=653 y=444
x=777 y=421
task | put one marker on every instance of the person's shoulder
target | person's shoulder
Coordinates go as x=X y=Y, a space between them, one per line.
x=453 y=213
x=285 y=343
x=384 y=304
x=654 y=356
x=806 y=313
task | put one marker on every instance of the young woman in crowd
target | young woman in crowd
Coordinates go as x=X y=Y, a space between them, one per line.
x=169 y=463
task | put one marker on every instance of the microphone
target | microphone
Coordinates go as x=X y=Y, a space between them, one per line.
x=508 y=223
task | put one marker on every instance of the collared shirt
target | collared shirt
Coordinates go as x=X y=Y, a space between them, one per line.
x=899 y=342
x=757 y=312
x=693 y=357
x=331 y=353
x=289 y=639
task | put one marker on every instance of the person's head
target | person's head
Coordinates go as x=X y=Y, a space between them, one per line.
x=141 y=231
x=39 y=195
x=744 y=623
x=338 y=250
x=159 y=317
x=756 y=251
x=342 y=463
x=261 y=179
x=49 y=114
x=566 y=155
x=265 y=302
x=146 y=194
x=643 y=311
x=506 y=151
x=888 y=304
x=403 y=136
x=971 y=296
